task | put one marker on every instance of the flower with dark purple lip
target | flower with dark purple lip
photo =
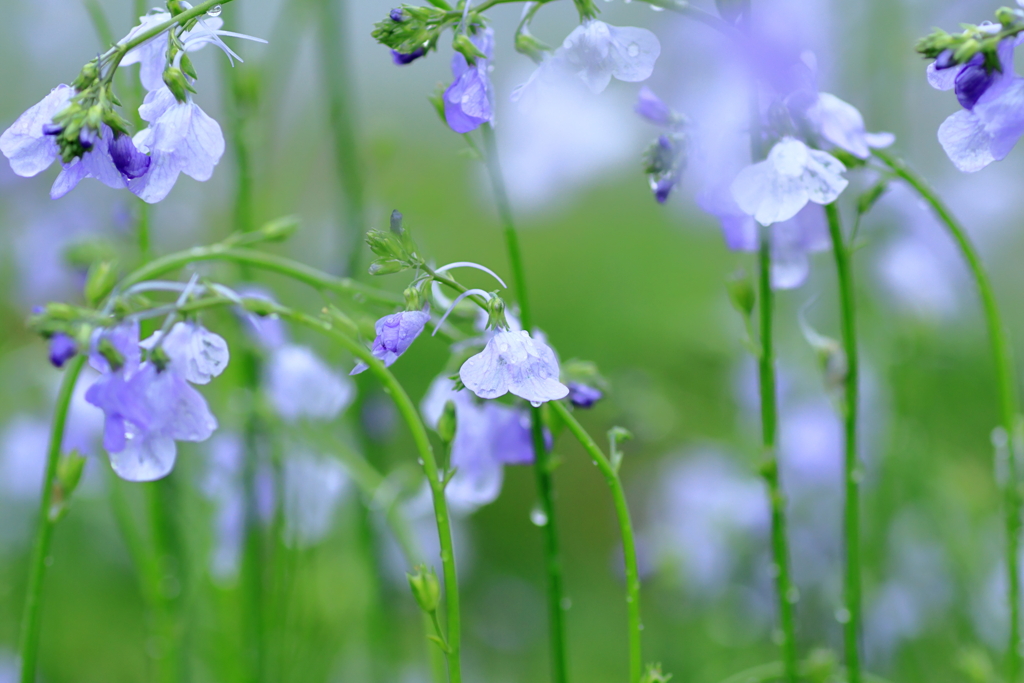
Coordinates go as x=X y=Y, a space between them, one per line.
x=584 y=395
x=129 y=160
x=62 y=349
x=402 y=58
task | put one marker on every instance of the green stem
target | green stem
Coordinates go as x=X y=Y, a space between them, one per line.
x=160 y=504
x=851 y=464
x=542 y=465
x=636 y=660
x=1009 y=398
x=336 y=70
x=30 y=621
x=785 y=592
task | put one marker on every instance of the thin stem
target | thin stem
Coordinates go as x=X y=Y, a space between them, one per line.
x=542 y=465
x=784 y=590
x=851 y=464
x=30 y=620
x=336 y=71
x=1009 y=398
x=160 y=504
x=636 y=660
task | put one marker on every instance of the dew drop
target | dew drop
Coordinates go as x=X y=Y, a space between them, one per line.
x=843 y=615
x=214 y=11
x=633 y=50
x=538 y=516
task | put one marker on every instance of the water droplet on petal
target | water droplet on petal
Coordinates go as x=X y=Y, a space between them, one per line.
x=538 y=516
x=633 y=50
x=214 y=11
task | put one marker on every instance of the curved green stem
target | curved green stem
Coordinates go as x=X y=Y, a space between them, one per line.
x=1009 y=398
x=636 y=660
x=851 y=463
x=264 y=261
x=784 y=589
x=28 y=650
x=542 y=465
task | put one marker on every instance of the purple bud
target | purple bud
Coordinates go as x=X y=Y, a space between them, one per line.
x=650 y=106
x=62 y=349
x=584 y=395
x=129 y=160
x=397 y=15
x=401 y=58
x=972 y=82
x=87 y=138
x=663 y=188
x=944 y=60
x=52 y=129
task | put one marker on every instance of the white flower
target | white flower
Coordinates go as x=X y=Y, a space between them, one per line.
x=180 y=139
x=195 y=352
x=777 y=188
x=26 y=146
x=841 y=124
x=299 y=384
x=514 y=362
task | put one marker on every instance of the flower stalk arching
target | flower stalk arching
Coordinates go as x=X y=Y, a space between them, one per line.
x=611 y=475
x=28 y=647
x=542 y=465
x=851 y=463
x=1009 y=397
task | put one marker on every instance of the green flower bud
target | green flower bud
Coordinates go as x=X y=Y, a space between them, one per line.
x=868 y=199
x=113 y=357
x=967 y=49
x=69 y=471
x=471 y=52
x=527 y=44
x=89 y=73
x=415 y=298
x=496 y=313
x=396 y=222
x=741 y=293
x=176 y=83
x=100 y=282
x=386 y=266
x=425 y=588
x=587 y=9
x=279 y=229
x=447 y=423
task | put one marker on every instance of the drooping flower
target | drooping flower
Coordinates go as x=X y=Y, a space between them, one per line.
x=596 y=51
x=514 y=362
x=150 y=406
x=300 y=385
x=487 y=437
x=395 y=334
x=467 y=101
x=840 y=123
x=792 y=241
x=62 y=349
x=777 y=188
x=181 y=138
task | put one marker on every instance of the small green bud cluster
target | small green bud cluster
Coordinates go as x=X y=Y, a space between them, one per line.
x=496 y=313
x=959 y=48
x=59 y=318
x=587 y=9
x=411 y=28
x=69 y=473
x=395 y=249
x=77 y=127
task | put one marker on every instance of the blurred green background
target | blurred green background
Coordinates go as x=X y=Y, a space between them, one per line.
x=616 y=279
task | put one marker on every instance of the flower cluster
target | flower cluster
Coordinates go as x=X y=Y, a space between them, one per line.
x=78 y=125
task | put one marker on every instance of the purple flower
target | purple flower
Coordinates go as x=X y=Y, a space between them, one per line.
x=584 y=395
x=514 y=362
x=467 y=101
x=62 y=349
x=403 y=58
x=650 y=106
x=395 y=334
x=777 y=188
x=127 y=158
x=300 y=385
x=181 y=138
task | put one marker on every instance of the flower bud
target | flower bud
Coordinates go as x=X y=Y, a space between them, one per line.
x=386 y=266
x=396 y=222
x=415 y=298
x=86 y=76
x=176 y=83
x=110 y=353
x=741 y=293
x=471 y=52
x=69 y=471
x=496 y=313
x=280 y=229
x=100 y=282
x=62 y=349
x=447 y=423
x=425 y=588
x=527 y=44
x=587 y=9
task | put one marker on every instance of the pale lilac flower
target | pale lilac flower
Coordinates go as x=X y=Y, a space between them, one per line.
x=62 y=349
x=181 y=138
x=198 y=354
x=840 y=123
x=514 y=362
x=313 y=488
x=395 y=334
x=300 y=385
x=596 y=51
x=792 y=241
x=777 y=188
x=487 y=437
x=152 y=54
x=467 y=101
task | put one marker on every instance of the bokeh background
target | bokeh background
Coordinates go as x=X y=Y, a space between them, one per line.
x=636 y=287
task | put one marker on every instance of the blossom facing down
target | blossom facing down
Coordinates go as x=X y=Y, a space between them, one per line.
x=467 y=101
x=62 y=349
x=395 y=334
x=147 y=408
x=300 y=385
x=792 y=241
x=198 y=354
x=596 y=51
x=28 y=146
x=181 y=138
x=841 y=124
x=514 y=362
x=777 y=188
